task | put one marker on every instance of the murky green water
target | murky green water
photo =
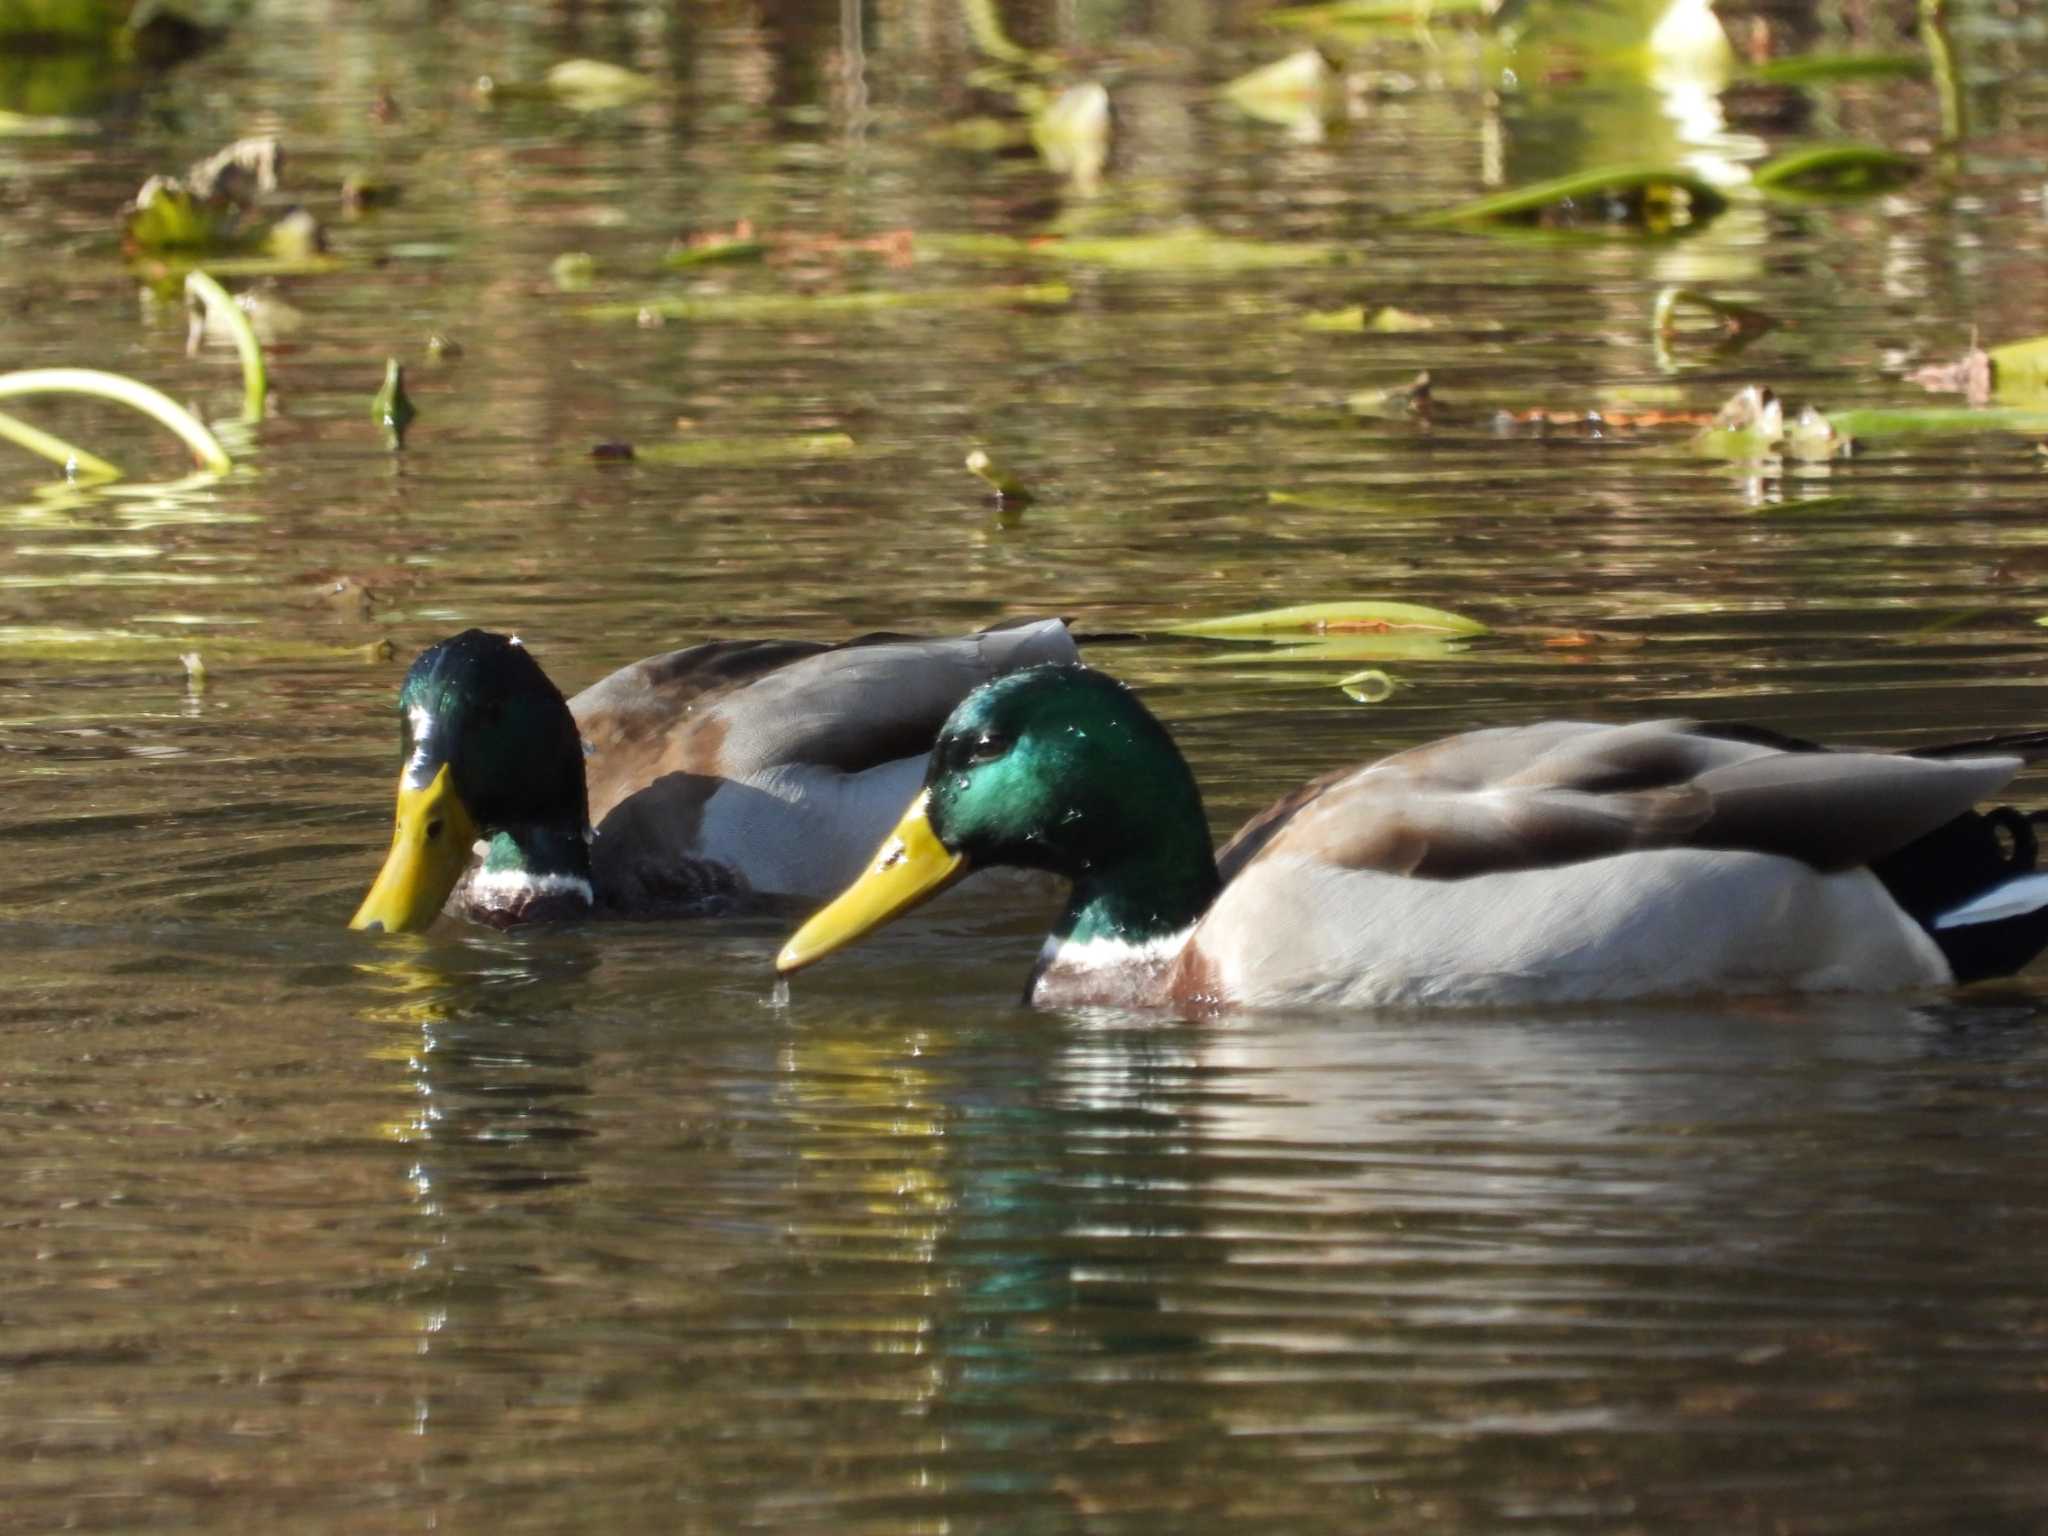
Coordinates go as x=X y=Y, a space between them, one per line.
x=582 y=1230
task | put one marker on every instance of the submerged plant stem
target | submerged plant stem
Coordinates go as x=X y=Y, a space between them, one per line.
x=218 y=301
x=133 y=393
x=76 y=461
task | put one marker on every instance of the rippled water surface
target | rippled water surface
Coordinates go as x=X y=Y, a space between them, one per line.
x=588 y=1229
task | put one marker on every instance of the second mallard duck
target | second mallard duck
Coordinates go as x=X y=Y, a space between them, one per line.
x=698 y=780
x=1560 y=862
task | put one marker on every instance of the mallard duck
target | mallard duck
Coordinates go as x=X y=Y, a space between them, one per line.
x=1562 y=862
x=707 y=778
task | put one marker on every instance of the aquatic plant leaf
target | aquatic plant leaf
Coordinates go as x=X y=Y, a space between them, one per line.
x=2019 y=371
x=166 y=217
x=744 y=452
x=1357 y=616
x=573 y=271
x=1072 y=133
x=1652 y=199
x=30 y=125
x=999 y=477
x=592 y=85
x=1337 y=15
x=1836 y=171
x=1830 y=68
x=1188 y=249
x=215 y=303
x=986 y=28
x=706 y=253
x=78 y=464
x=1941 y=421
x=1391 y=645
x=1386 y=320
x=1302 y=92
x=740 y=308
x=391 y=408
x=121 y=389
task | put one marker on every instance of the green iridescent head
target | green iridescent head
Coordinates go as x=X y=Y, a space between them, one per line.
x=489 y=747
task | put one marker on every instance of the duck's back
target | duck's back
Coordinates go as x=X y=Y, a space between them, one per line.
x=751 y=768
x=1571 y=861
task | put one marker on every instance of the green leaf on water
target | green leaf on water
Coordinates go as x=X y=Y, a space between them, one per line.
x=573 y=271
x=744 y=452
x=121 y=389
x=1337 y=15
x=1185 y=251
x=758 y=308
x=1384 y=320
x=1941 y=421
x=1358 y=617
x=1651 y=199
x=1836 y=171
x=214 y=302
x=592 y=85
x=707 y=253
x=1831 y=68
x=2019 y=371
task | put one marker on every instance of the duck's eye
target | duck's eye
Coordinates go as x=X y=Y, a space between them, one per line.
x=434 y=830
x=987 y=748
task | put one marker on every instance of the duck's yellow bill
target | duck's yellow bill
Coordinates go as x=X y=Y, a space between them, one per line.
x=429 y=847
x=910 y=868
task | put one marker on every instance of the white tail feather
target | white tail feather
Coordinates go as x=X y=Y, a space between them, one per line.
x=2011 y=898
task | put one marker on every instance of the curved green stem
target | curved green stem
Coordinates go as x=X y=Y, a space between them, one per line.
x=132 y=393
x=76 y=461
x=218 y=301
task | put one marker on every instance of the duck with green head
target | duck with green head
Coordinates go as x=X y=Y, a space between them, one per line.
x=1550 y=863
x=728 y=774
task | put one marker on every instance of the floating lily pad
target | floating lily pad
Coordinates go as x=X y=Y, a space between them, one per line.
x=1650 y=199
x=1836 y=171
x=1354 y=617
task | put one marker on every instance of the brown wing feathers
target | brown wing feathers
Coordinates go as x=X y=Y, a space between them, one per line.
x=1529 y=797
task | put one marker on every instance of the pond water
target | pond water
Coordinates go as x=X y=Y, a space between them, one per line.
x=587 y=1228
